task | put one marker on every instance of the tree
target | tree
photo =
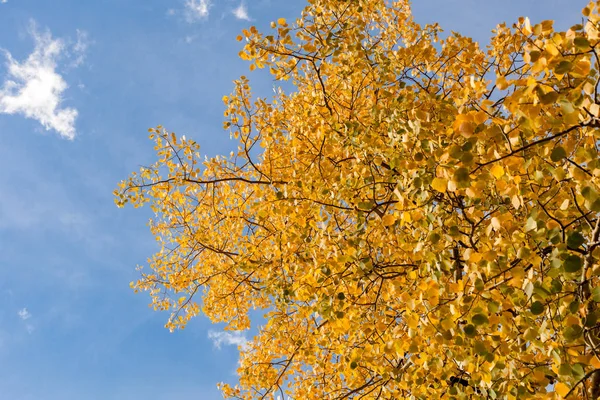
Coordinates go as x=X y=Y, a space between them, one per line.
x=419 y=218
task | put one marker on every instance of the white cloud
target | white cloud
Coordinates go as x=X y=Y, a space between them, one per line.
x=234 y=338
x=34 y=89
x=24 y=314
x=80 y=48
x=241 y=12
x=197 y=9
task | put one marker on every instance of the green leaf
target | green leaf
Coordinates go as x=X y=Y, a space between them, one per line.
x=467 y=158
x=578 y=371
x=574 y=307
x=365 y=205
x=461 y=175
x=589 y=193
x=556 y=285
x=470 y=330
x=541 y=291
x=480 y=348
x=595 y=206
x=566 y=106
x=537 y=308
x=493 y=307
x=581 y=43
x=558 y=153
x=455 y=151
x=565 y=369
x=479 y=285
x=591 y=319
x=549 y=98
x=528 y=289
x=563 y=67
x=530 y=225
x=572 y=333
x=467 y=146
x=575 y=240
x=523 y=252
x=479 y=319
x=572 y=263
x=434 y=237
x=596 y=294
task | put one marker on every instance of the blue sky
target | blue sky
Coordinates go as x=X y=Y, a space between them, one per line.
x=80 y=83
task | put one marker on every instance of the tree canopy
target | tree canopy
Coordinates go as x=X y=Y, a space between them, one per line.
x=418 y=218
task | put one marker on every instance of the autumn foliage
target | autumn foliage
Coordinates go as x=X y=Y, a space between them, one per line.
x=419 y=218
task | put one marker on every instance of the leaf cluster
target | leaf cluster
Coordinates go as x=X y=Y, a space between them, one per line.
x=419 y=218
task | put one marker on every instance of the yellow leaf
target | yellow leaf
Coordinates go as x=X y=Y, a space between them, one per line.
x=496 y=223
x=547 y=26
x=551 y=48
x=452 y=186
x=466 y=129
x=489 y=255
x=412 y=320
x=516 y=202
x=433 y=297
x=282 y=22
x=497 y=171
x=501 y=82
x=561 y=389
x=586 y=11
x=388 y=219
x=439 y=184
x=527 y=26
x=475 y=257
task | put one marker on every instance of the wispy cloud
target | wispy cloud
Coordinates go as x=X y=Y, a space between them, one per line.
x=35 y=89
x=241 y=12
x=197 y=9
x=235 y=338
x=80 y=48
x=24 y=314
